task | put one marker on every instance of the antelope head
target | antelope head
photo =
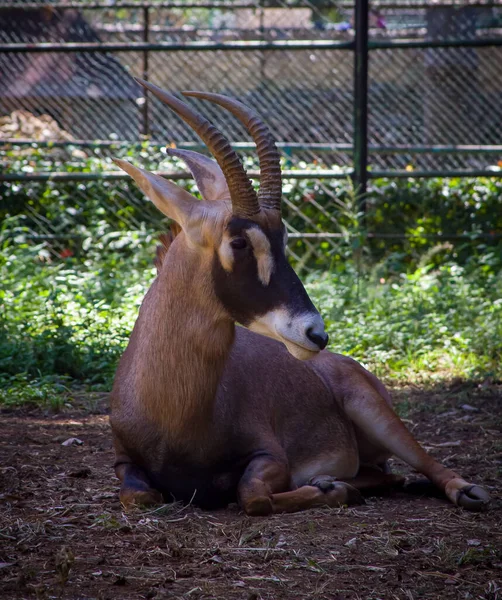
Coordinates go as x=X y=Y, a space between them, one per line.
x=239 y=232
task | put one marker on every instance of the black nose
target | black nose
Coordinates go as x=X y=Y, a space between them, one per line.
x=319 y=338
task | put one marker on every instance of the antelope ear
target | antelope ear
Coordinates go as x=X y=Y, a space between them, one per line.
x=172 y=200
x=206 y=172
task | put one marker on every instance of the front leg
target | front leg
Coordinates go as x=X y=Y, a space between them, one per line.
x=265 y=475
x=265 y=488
x=135 y=488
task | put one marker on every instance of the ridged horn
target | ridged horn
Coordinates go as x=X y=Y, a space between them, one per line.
x=270 y=193
x=244 y=200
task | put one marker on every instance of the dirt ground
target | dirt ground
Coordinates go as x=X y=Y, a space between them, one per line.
x=63 y=533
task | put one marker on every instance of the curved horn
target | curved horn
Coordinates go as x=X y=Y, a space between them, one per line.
x=270 y=192
x=244 y=200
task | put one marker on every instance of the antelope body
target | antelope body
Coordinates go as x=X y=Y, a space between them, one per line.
x=207 y=412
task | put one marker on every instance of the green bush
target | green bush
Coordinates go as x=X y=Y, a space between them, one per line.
x=407 y=308
x=432 y=323
x=418 y=208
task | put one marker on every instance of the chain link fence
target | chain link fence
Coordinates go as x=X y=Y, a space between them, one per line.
x=68 y=102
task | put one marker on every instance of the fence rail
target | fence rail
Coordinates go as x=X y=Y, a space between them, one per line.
x=253 y=4
x=347 y=97
x=250 y=45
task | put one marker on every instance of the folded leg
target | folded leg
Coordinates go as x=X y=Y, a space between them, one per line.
x=265 y=489
x=135 y=485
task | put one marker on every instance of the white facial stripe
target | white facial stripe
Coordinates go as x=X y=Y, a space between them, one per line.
x=261 y=249
x=226 y=255
x=291 y=330
x=263 y=254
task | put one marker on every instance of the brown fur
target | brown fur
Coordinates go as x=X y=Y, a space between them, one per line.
x=208 y=412
x=165 y=239
x=199 y=407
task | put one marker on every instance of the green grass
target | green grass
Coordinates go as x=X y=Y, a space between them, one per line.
x=64 y=323
x=417 y=310
x=431 y=324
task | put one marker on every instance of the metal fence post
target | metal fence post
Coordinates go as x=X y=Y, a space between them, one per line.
x=146 y=39
x=360 y=177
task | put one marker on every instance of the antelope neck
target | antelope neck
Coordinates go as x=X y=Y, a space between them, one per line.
x=187 y=336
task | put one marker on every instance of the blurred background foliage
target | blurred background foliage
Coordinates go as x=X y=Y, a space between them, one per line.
x=408 y=277
x=76 y=260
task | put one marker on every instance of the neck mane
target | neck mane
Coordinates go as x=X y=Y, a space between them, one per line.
x=181 y=340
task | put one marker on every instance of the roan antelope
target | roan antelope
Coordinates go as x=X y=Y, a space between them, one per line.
x=208 y=412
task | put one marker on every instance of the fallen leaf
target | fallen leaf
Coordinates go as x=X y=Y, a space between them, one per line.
x=216 y=559
x=72 y=442
x=469 y=408
x=448 y=413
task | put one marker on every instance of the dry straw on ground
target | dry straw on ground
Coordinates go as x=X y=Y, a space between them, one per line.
x=63 y=533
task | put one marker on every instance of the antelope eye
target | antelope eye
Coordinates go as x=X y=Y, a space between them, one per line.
x=239 y=243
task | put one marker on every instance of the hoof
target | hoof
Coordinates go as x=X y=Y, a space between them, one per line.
x=259 y=507
x=343 y=494
x=354 y=496
x=338 y=493
x=325 y=483
x=473 y=497
x=133 y=497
